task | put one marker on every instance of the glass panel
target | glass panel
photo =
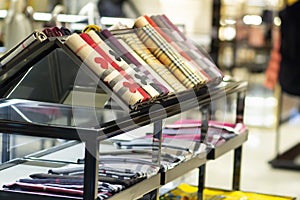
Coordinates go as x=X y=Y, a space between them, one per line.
x=56 y=114
x=50 y=79
x=46 y=93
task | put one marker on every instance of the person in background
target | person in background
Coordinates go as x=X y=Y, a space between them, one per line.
x=284 y=65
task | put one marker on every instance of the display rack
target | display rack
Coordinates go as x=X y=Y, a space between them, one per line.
x=15 y=119
x=288 y=158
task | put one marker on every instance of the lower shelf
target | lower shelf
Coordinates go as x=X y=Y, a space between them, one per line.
x=183 y=168
x=138 y=190
x=134 y=192
x=227 y=146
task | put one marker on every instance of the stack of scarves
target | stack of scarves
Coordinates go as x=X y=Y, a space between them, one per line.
x=144 y=63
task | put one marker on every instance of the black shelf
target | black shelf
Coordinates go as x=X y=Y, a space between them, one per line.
x=233 y=143
x=140 y=189
x=183 y=168
x=133 y=192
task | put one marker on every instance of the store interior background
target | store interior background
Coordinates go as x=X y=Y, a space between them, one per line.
x=237 y=34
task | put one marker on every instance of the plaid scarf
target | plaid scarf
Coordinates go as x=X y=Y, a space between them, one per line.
x=193 y=65
x=166 y=54
x=126 y=54
x=135 y=43
x=187 y=46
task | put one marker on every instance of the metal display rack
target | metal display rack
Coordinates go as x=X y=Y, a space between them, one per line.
x=286 y=159
x=15 y=119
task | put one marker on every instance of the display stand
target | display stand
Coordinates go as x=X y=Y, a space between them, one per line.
x=286 y=159
x=15 y=119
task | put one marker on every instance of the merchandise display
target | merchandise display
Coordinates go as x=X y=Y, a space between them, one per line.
x=217 y=131
x=68 y=180
x=124 y=68
x=150 y=77
x=148 y=100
